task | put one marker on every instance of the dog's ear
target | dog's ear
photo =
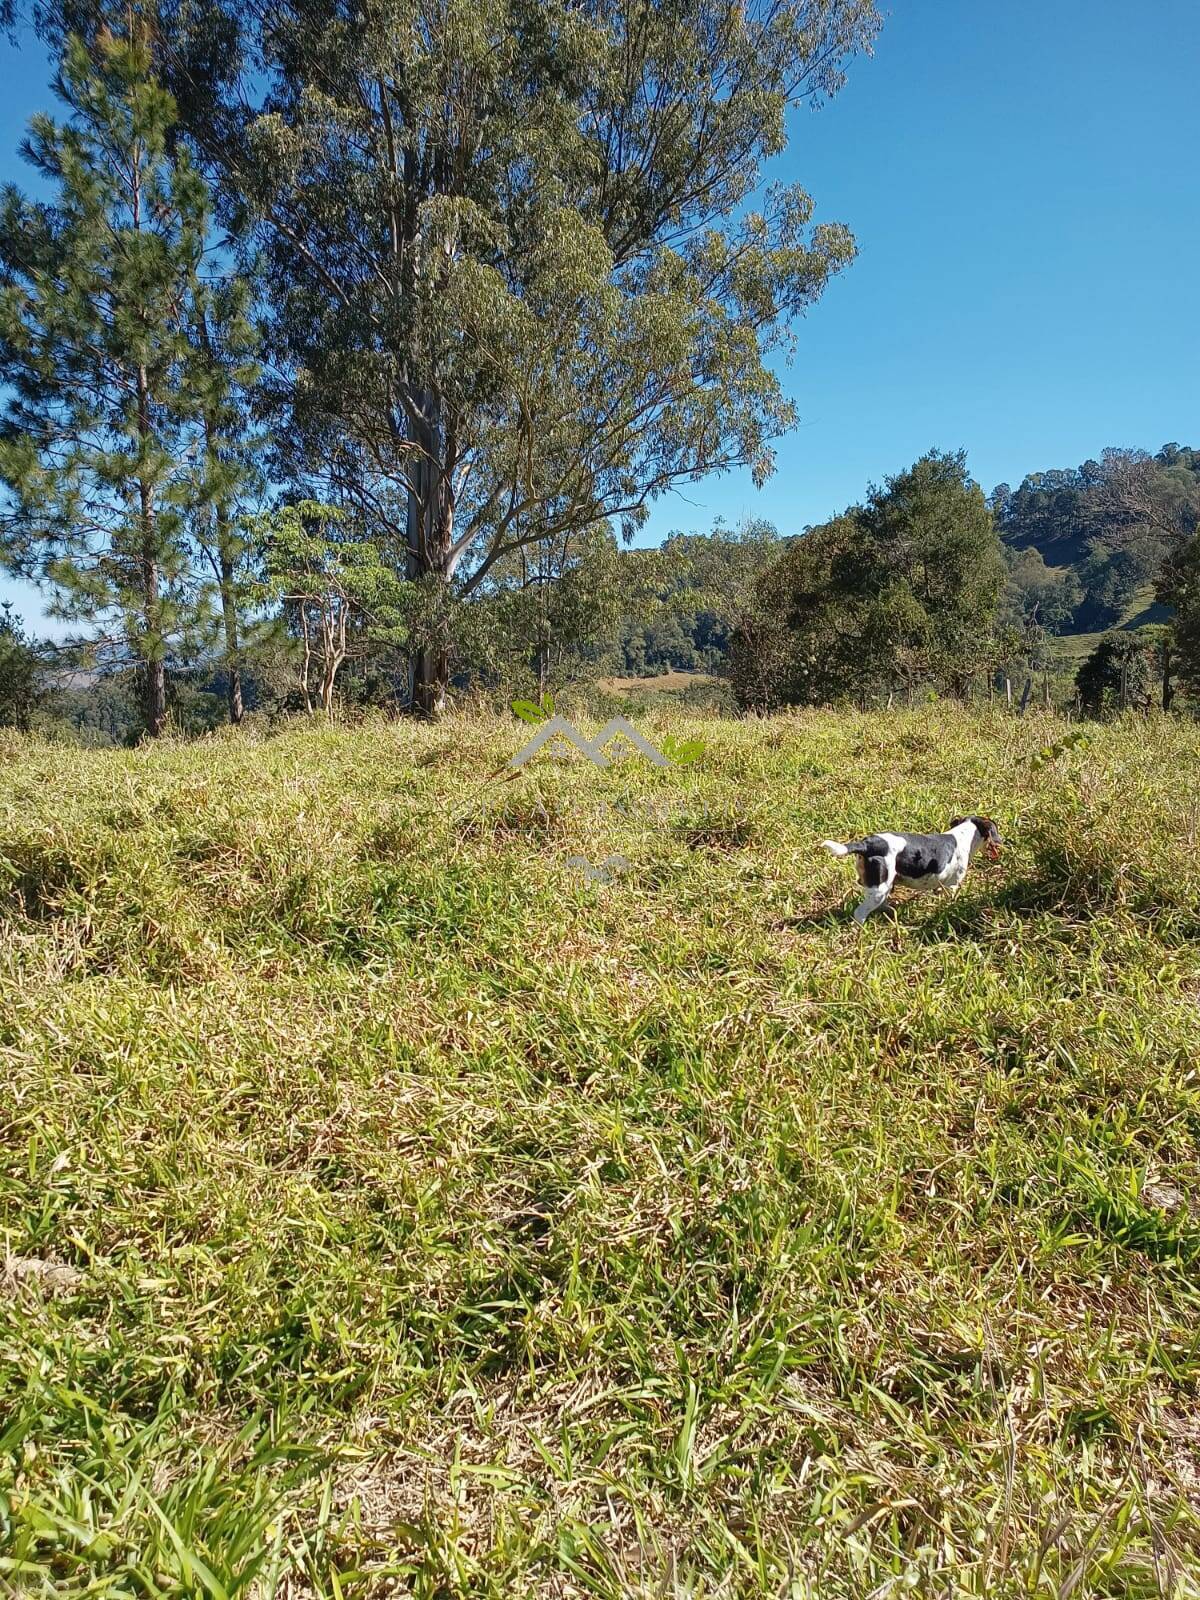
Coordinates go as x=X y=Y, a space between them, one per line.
x=956 y=822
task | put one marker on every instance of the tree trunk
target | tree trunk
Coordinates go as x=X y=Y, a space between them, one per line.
x=225 y=565
x=155 y=690
x=328 y=664
x=156 y=698
x=543 y=670
x=543 y=648
x=430 y=536
x=1168 y=688
x=306 y=659
x=1025 y=693
x=431 y=674
x=233 y=664
x=335 y=653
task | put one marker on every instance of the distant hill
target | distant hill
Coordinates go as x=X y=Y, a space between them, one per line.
x=1084 y=544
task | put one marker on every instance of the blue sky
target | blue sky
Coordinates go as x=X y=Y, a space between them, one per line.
x=1023 y=184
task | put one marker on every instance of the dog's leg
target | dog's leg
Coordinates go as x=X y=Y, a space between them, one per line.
x=871 y=901
x=878 y=876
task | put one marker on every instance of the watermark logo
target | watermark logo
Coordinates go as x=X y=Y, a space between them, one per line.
x=552 y=728
x=610 y=868
x=556 y=736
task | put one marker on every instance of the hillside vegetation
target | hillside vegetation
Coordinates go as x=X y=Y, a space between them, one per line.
x=387 y=1208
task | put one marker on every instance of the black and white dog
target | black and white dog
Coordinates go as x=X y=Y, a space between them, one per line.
x=917 y=861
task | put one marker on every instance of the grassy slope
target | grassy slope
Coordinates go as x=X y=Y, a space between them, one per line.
x=391 y=1211
x=1070 y=650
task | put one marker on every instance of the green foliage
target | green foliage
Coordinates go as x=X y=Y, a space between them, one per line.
x=528 y=712
x=19 y=672
x=386 y=1208
x=99 y=290
x=338 y=595
x=545 y=609
x=1049 y=512
x=532 y=291
x=901 y=588
x=225 y=376
x=1102 y=528
x=1109 y=576
x=1036 y=595
x=568 y=611
x=1074 y=743
x=683 y=752
x=1119 y=673
x=1179 y=587
x=688 y=598
x=29 y=687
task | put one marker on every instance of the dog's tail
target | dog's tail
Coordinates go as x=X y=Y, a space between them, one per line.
x=856 y=847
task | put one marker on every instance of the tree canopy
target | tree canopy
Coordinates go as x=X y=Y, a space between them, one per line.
x=899 y=589
x=519 y=285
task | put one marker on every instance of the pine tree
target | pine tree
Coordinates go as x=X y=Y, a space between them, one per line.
x=19 y=671
x=99 y=288
x=223 y=375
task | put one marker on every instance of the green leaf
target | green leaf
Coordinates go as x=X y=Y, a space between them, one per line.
x=528 y=712
x=682 y=751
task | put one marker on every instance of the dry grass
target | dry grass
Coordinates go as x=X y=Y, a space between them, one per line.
x=657 y=681
x=419 y=1217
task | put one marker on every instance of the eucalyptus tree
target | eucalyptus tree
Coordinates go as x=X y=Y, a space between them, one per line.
x=337 y=596
x=519 y=279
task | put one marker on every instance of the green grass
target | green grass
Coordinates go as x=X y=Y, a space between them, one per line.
x=1068 y=651
x=387 y=1210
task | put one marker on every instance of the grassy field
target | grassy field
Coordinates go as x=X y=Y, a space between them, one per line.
x=387 y=1207
x=661 y=682
x=1068 y=651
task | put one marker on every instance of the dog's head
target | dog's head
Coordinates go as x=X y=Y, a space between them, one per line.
x=989 y=834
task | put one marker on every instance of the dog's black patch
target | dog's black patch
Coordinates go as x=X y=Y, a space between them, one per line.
x=874 y=870
x=988 y=832
x=986 y=827
x=924 y=856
